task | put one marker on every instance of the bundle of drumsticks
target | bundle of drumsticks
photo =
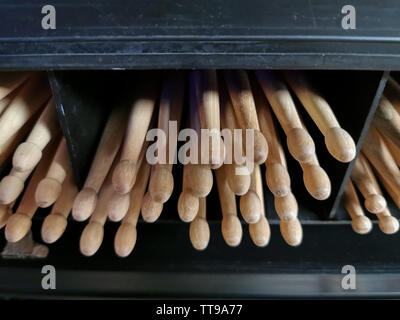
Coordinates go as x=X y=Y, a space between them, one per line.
x=121 y=183
x=379 y=157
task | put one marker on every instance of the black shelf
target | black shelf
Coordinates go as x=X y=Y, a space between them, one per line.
x=292 y=34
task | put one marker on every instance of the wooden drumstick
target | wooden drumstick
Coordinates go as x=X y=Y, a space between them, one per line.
x=9 y=81
x=188 y=203
x=338 y=142
x=231 y=226
x=49 y=189
x=375 y=149
x=315 y=179
x=260 y=232
x=374 y=202
x=359 y=222
x=239 y=183
x=387 y=120
x=31 y=97
x=118 y=204
x=286 y=207
x=12 y=143
x=161 y=180
x=394 y=150
x=387 y=223
x=199 y=228
x=140 y=116
x=125 y=238
x=55 y=223
x=5 y=214
x=204 y=87
x=151 y=209
x=292 y=232
x=29 y=153
x=19 y=224
x=301 y=145
x=250 y=203
x=92 y=235
x=5 y=102
x=392 y=92
x=390 y=190
x=110 y=143
x=242 y=99
x=276 y=176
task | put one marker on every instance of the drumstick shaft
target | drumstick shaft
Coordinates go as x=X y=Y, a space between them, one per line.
x=9 y=81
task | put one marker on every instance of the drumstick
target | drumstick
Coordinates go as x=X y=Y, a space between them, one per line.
x=250 y=203
x=12 y=185
x=315 y=179
x=387 y=223
x=375 y=149
x=5 y=102
x=374 y=202
x=338 y=142
x=9 y=81
x=260 y=232
x=276 y=176
x=188 y=203
x=239 y=183
x=242 y=99
x=29 y=153
x=118 y=204
x=161 y=180
x=92 y=235
x=32 y=96
x=19 y=224
x=55 y=223
x=387 y=120
x=5 y=214
x=199 y=228
x=151 y=209
x=50 y=187
x=394 y=150
x=392 y=92
x=291 y=232
x=359 y=222
x=301 y=145
x=286 y=207
x=140 y=116
x=109 y=144
x=125 y=238
x=231 y=226
x=12 y=143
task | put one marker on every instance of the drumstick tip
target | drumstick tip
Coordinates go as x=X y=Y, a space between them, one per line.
x=91 y=238
x=26 y=156
x=47 y=192
x=124 y=176
x=18 y=225
x=340 y=144
x=84 y=204
x=53 y=227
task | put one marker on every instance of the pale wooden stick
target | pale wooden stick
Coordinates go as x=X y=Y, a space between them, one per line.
x=387 y=120
x=55 y=223
x=339 y=143
x=374 y=202
x=5 y=213
x=49 y=189
x=125 y=238
x=394 y=150
x=243 y=103
x=392 y=92
x=375 y=149
x=110 y=143
x=276 y=176
x=188 y=203
x=260 y=232
x=315 y=179
x=205 y=86
x=239 y=183
x=5 y=102
x=29 y=153
x=301 y=145
x=199 y=228
x=32 y=96
x=161 y=180
x=231 y=226
x=9 y=81
x=359 y=222
x=140 y=116
x=250 y=203
x=19 y=224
